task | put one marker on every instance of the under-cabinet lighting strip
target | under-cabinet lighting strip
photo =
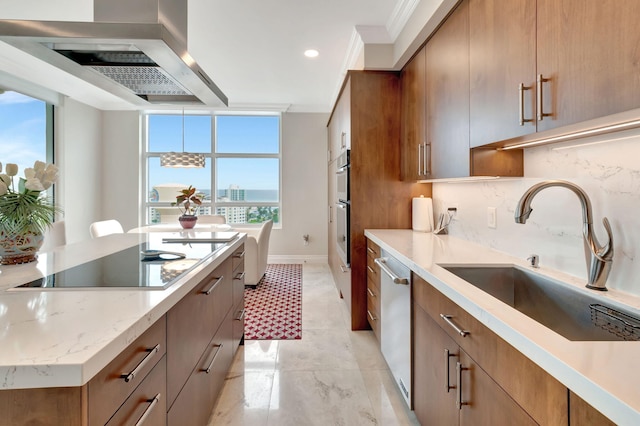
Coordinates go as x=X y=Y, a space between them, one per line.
x=583 y=133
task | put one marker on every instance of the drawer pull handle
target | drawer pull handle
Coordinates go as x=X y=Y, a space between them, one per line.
x=152 y=403
x=344 y=269
x=210 y=366
x=151 y=352
x=447 y=319
x=459 y=401
x=448 y=355
x=241 y=316
x=370 y=250
x=372 y=294
x=371 y=269
x=239 y=255
x=371 y=316
x=210 y=289
x=239 y=276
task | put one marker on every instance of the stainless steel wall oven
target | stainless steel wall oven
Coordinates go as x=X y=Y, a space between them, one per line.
x=343 y=206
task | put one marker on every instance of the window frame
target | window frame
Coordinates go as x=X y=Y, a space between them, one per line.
x=211 y=157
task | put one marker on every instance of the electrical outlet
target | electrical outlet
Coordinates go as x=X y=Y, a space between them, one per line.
x=492 y=217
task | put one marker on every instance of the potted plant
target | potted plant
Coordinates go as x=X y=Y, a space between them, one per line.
x=188 y=202
x=25 y=212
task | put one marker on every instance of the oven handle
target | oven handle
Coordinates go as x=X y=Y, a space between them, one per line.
x=381 y=262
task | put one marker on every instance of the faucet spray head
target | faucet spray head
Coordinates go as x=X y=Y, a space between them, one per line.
x=521 y=216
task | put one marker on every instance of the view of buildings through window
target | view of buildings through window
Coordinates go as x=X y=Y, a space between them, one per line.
x=242 y=162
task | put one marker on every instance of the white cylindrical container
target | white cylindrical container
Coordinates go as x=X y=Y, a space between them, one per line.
x=422 y=214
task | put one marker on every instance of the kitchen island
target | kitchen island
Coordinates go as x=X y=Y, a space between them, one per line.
x=602 y=373
x=64 y=338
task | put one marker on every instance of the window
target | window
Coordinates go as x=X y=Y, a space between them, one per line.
x=242 y=154
x=26 y=130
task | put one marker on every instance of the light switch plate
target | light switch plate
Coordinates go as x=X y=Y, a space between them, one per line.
x=492 y=217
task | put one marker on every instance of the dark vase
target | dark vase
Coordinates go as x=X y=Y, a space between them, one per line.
x=188 y=221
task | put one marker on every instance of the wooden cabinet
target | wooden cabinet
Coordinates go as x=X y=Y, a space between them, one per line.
x=373 y=287
x=588 y=56
x=414 y=116
x=581 y=413
x=108 y=389
x=540 y=65
x=436 y=110
x=238 y=295
x=489 y=380
x=370 y=104
x=502 y=46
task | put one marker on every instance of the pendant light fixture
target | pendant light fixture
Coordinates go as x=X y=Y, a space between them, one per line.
x=182 y=159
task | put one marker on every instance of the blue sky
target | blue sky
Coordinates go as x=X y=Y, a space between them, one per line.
x=22 y=130
x=236 y=135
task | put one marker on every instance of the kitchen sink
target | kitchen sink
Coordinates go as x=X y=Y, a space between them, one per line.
x=570 y=313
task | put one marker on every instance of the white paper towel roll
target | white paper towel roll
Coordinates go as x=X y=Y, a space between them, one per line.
x=422 y=214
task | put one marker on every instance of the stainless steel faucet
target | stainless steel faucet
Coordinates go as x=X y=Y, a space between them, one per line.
x=598 y=257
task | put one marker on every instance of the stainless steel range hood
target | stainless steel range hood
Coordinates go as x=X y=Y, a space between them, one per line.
x=135 y=50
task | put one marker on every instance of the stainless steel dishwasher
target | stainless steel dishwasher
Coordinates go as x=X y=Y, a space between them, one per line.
x=395 y=320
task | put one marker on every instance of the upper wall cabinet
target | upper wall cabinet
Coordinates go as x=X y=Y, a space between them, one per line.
x=502 y=69
x=588 y=59
x=435 y=111
x=539 y=65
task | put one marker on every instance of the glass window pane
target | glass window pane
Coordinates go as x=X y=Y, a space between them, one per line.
x=248 y=179
x=23 y=130
x=164 y=184
x=249 y=214
x=241 y=134
x=165 y=133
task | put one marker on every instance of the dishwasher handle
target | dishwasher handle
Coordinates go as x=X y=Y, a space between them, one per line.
x=381 y=262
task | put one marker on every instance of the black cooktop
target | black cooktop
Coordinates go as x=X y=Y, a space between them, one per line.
x=130 y=269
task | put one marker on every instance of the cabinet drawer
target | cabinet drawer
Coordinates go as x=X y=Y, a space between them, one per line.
x=373 y=307
x=238 y=279
x=496 y=357
x=196 y=400
x=373 y=250
x=111 y=386
x=238 y=257
x=238 y=324
x=192 y=323
x=148 y=400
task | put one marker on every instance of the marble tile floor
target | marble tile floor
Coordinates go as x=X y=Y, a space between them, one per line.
x=332 y=376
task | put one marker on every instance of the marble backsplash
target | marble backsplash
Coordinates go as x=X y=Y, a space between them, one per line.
x=606 y=168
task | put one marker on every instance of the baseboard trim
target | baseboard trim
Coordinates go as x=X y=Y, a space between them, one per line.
x=298 y=258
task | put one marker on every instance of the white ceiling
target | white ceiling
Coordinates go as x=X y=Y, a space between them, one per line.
x=253 y=49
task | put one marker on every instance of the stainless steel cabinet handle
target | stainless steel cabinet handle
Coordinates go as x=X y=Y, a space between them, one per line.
x=210 y=366
x=396 y=279
x=370 y=250
x=239 y=276
x=447 y=319
x=370 y=269
x=427 y=158
x=152 y=403
x=541 y=114
x=210 y=289
x=151 y=352
x=239 y=255
x=448 y=355
x=371 y=316
x=241 y=316
x=372 y=294
x=344 y=269
x=459 y=401
x=341 y=170
x=420 y=160
x=341 y=206
x=521 y=119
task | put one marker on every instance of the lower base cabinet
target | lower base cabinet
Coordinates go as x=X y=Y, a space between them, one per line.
x=449 y=386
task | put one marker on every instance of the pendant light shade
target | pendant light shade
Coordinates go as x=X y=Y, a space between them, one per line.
x=182 y=159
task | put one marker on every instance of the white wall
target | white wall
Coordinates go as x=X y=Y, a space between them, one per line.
x=304 y=188
x=608 y=172
x=78 y=153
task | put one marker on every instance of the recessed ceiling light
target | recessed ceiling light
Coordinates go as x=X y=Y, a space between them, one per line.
x=311 y=53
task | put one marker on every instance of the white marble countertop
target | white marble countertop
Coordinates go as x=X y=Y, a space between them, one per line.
x=63 y=337
x=605 y=374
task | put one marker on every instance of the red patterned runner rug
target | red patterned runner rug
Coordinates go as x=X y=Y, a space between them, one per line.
x=273 y=310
